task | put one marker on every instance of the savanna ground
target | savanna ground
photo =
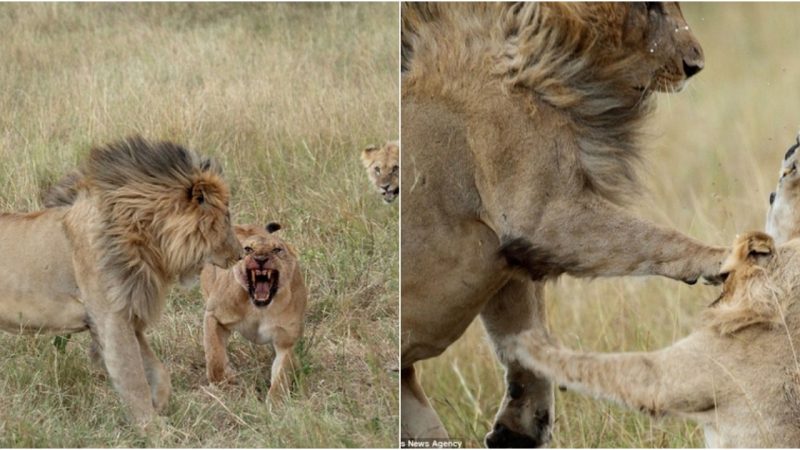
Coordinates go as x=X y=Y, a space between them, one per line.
x=713 y=157
x=285 y=96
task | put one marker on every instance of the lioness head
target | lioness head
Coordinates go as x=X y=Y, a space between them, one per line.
x=383 y=168
x=783 y=217
x=268 y=264
x=761 y=281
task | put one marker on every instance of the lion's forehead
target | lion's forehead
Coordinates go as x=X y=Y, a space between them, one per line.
x=263 y=242
x=384 y=158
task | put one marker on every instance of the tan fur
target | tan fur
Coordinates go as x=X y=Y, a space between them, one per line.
x=230 y=307
x=736 y=374
x=383 y=168
x=520 y=125
x=144 y=215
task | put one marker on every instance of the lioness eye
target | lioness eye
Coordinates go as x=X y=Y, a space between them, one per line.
x=377 y=170
x=278 y=250
x=248 y=249
x=395 y=169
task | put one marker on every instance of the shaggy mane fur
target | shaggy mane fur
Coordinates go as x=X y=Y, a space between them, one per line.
x=558 y=52
x=155 y=224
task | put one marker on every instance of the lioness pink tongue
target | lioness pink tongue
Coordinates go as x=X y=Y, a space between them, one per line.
x=262 y=290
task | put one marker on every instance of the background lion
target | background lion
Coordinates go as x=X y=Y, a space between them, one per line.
x=738 y=373
x=383 y=168
x=520 y=126
x=144 y=215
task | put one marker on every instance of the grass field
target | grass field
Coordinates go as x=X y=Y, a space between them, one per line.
x=285 y=96
x=713 y=157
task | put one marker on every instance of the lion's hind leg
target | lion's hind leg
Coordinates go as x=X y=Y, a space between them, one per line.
x=157 y=375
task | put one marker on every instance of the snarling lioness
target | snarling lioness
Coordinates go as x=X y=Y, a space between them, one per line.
x=383 y=168
x=263 y=298
x=137 y=216
x=520 y=125
x=738 y=373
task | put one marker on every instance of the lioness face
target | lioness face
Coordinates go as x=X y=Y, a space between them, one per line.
x=783 y=217
x=671 y=54
x=383 y=169
x=268 y=263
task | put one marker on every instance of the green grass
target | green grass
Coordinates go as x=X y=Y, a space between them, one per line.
x=713 y=156
x=285 y=96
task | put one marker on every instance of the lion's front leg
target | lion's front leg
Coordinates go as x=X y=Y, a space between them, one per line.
x=525 y=417
x=215 y=339
x=123 y=360
x=593 y=237
x=282 y=373
x=157 y=375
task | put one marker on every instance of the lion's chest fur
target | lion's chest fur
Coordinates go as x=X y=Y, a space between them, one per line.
x=469 y=180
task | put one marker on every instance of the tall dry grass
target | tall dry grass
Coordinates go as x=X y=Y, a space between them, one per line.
x=285 y=96
x=713 y=156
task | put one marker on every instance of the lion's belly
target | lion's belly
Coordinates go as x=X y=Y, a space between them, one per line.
x=60 y=314
x=445 y=287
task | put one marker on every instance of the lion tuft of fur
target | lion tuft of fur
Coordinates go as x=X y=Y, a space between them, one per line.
x=162 y=208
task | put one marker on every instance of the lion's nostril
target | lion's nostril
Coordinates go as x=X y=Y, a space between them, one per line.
x=691 y=69
x=771 y=197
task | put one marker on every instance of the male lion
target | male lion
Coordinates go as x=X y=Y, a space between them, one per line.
x=738 y=373
x=139 y=215
x=383 y=168
x=262 y=297
x=519 y=131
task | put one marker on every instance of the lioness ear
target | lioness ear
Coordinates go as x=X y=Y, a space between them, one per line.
x=273 y=227
x=365 y=154
x=749 y=248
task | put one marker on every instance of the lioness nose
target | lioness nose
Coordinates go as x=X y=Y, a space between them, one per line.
x=386 y=187
x=261 y=258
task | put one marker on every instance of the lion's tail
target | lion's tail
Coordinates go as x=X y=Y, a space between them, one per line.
x=64 y=191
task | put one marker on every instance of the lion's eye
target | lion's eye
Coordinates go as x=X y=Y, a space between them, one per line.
x=248 y=249
x=377 y=170
x=278 y=251
x=395 y=169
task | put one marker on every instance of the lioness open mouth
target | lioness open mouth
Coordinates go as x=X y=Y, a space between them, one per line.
x=390 y=195
x=262 y=285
